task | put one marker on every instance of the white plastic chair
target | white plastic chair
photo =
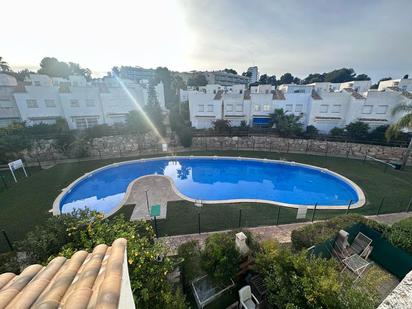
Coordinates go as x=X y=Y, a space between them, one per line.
x=247 y=299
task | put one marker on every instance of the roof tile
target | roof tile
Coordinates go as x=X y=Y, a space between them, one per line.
x=85 y=281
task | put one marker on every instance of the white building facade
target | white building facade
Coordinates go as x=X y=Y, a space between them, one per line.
x=41 y=99
x=323 y=105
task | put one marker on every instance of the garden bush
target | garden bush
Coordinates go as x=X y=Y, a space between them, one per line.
x=400 y=234
x=319 y=232
x=296 y=281
x=148 y=262
x=220 y=258
x=185 y=136
x=190 y=252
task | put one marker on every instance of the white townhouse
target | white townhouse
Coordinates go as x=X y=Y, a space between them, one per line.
x=323 y=105
x=38 y=100
x=404 y=84
x=9 y=112
x=41 y=99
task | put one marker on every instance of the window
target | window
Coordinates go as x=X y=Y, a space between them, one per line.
x=299 y=91
x=404 y=87
x=382 y=109
x=229 y=107
x=37 y=83
x=210 y=108
x=395 y=84
x=83 y=123
x=32 y=103
x=257 y=107
x=266 y=107
x=367 y=109
x=336 y=108
x=288 y=107
x=90 y=103
x=239 y=107
x=299 y=108
x=50 y=103
x=323 y=108
x=74 y=103
x=201 y=108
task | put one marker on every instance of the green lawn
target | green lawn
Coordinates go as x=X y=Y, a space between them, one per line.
x=27 y=203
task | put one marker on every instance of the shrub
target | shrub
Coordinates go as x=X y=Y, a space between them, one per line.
x=319 y=232
x=185 y=136
x=337 y=132
x=190 y=252
x=311 y=131
x=294 y=281
x=220 y=258
x=400 y=234
x=357 y=130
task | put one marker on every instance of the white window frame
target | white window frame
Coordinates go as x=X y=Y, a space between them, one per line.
x=256 y=107
x=336 y=108
x=74 y=103
x=90 y=103
x=201 y=108
x=385 y=109
x=266 y=107
x=239 y=108
x=210 y=108
x=288 y=108
x=299 y=108
x=367 y=109
x=32 y=103
x=50 y=103
x=229 y=107
x=323 y=108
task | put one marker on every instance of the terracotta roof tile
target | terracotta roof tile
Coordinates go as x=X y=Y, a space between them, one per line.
x=87 y=280
x=354 y=94
x=277 y=95
x=246 y=95
x=218 y=95
x=316 y=95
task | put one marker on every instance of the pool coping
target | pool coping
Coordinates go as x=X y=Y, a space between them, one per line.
x=361 y=196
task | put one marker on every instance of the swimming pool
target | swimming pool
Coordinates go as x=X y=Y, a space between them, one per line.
x=216 y=180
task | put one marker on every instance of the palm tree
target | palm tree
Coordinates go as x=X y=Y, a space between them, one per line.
x=403 y=123
x=4 y=67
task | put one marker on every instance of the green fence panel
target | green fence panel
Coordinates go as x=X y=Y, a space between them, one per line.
x=393 y=259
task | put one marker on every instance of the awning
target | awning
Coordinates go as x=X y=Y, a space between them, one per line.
x=261 y=121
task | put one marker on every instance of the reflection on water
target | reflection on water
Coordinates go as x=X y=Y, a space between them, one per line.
x=209 y=179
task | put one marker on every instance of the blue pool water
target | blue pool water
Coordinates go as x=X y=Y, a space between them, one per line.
x=214 y=179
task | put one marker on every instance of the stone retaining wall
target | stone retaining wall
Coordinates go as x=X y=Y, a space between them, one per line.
x=123 y=145
x=284 y=145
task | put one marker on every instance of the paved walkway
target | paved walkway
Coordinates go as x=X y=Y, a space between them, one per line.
x=281 y=233
x=159 y=191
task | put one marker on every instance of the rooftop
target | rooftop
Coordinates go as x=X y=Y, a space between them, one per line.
x=86 y=280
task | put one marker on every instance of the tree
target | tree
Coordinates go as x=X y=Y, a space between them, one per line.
x=357 y=130
x=362 y=77
x=197 y=80
x=272 y=80
x=286 y=78
x=247 y=74
x=136 y=123
x=405 y=122
x=406 y=76
x=286 y=124
x=54 y=68
x=4 y=66
x=311 y=131
x=230 y=71
x=263 y=79
x=221 y=125
x=220 y=258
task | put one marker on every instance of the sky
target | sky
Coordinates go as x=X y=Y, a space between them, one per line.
x=301 y=37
